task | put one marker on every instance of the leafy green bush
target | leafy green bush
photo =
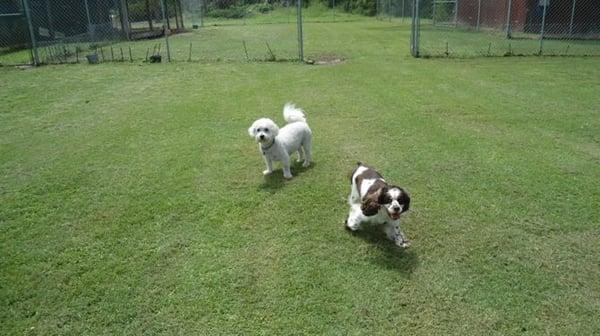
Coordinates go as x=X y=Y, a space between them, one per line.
x=223 y=4
x=362 y=7
x=233 y=8
x=264 y=7
x=137 y=10
x=234 y=12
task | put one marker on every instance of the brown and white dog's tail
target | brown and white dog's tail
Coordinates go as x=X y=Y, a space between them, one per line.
x=351 y=174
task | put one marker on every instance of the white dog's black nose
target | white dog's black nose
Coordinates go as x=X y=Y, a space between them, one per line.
x=262 y=137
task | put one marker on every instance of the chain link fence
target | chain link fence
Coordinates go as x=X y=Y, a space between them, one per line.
x=71 y=31
x=394 y=10
x=243 y=30
x=96 y=31
x=467 y=28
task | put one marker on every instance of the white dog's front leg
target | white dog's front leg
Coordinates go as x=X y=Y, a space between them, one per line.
x=355 y=217
x=285 y=161
x=392 y=229
x=269 y=163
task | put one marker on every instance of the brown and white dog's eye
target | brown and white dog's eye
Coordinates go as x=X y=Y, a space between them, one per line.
x=385 y=199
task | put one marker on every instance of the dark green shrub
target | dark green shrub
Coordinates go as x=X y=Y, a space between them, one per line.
x=364 y=7
x=223 y=4
x=264 y=7
x=234 y=12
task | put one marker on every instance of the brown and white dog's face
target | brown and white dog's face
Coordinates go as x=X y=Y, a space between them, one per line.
x=263 y=131
x=395 y=200
x=375 y=193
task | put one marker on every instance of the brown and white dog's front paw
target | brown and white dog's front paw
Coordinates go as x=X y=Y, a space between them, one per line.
x=402 y=243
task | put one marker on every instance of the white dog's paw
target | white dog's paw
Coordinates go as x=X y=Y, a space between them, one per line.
x=287 y=176
x=306 y=164
x=267 y=172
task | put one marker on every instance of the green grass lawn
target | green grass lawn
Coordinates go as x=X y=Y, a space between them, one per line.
x=132 y=199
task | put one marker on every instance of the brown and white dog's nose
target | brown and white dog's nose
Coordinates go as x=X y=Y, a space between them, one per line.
x=396 y=208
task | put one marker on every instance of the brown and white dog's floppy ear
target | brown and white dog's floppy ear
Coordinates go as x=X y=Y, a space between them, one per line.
x=404 y=199
x=370 y=204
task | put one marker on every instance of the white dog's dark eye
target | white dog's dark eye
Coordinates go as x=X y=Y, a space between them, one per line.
x=266 y=130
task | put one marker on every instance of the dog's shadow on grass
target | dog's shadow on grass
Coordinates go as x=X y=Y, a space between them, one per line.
x=275 y=181
x=391 y=256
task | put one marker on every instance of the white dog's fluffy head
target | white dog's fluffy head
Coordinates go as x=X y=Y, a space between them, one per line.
x=263 y=131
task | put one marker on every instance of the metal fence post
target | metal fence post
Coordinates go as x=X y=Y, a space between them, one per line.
x=50 y=20
x=402 y=18
x=478 y=14
x=300 y=36
x=165 y=29
x=333 y=8
x=201 y=13
x=89 y=20
x=456 y=13
x=415 y=27
x=148 y=14
x=34 y=52
x=572 y=17
x=508 y=22
x=545 y=10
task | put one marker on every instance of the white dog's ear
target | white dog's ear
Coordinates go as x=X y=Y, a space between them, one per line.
x=274 y=129
x=252 y=130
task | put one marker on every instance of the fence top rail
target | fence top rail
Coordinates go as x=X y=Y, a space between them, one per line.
x=10 y=14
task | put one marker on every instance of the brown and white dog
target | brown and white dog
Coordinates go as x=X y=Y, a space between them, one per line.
x=373 y=200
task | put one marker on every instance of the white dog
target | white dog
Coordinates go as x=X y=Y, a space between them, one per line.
x=373 y=200
x=278 y=144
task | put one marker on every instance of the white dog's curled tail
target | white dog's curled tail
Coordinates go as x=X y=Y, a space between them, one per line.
x=291 y=113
